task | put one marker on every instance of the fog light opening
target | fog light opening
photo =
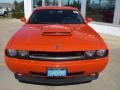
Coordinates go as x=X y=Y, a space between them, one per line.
x=19 y=74
x=93 y=74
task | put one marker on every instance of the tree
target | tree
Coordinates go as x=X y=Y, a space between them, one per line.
x=19 y=6
x=19 y=9
x=16 y=4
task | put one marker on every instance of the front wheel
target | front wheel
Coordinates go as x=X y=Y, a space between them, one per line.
x=5 y=14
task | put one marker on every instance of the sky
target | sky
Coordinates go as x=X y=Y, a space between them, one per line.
x=8 y=1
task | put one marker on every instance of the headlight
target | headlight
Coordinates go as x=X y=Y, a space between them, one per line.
x=17 y=53
x=23 y=53
x=90 y=53
x=11 y=52
x=101 y=53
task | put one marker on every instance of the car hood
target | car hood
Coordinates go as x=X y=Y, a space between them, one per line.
x=57 y=37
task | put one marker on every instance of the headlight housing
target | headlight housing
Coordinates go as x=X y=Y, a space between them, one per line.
x=94 y=54
x=101 y=53
x=11 y=52
x=17 y=53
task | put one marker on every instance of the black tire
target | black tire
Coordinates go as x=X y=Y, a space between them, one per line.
x=5 y=14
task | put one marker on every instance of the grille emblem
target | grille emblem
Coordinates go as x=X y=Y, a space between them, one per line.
x=57 y=46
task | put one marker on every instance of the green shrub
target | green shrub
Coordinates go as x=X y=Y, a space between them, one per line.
x=17 y=14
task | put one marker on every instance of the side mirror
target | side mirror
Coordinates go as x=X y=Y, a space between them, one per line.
x=89 y=19
x=23 y=19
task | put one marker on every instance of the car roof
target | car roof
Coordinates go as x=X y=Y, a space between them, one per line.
x=57 y=8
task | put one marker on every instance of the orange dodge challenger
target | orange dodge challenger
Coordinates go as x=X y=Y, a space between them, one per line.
x=56 y=46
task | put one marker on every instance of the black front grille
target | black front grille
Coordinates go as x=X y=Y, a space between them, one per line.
x=56 y=55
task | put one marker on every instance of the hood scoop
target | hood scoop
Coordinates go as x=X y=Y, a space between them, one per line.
x=56 y=33
x=56 y=30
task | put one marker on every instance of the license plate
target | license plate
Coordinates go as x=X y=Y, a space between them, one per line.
x=56 y=72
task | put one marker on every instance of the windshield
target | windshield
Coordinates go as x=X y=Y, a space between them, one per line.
x=56 y=17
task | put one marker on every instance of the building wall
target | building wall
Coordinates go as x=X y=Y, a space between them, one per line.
x=28 y=5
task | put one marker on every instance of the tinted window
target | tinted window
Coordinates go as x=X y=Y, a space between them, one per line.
x=56 y=17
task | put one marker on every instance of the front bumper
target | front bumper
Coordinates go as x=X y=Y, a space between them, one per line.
x=75 y=66
x=55 y=81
